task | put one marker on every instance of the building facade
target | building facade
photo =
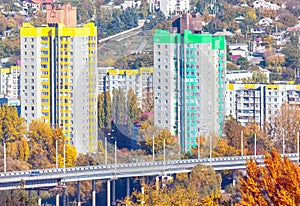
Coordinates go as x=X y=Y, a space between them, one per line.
x=10 y=82
x=140 y=81
x=169 y=7
x=258 y=103
x=59 y=80
x=189 y=84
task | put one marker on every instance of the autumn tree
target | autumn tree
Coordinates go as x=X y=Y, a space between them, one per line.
x=148 y=132
x=232 y=131
x=283 y=125
x=12 y=126
x=275 y=62
x=148 y=100
x=259 y=77
x=276 y=183
x=42 y=143
x=201 y=187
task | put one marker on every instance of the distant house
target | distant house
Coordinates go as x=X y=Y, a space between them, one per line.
x=223 y=33
x=238 y=50
x=294 y=28
x=35 y=5
x=239 y=19
x=279 y=37
x=265 y=22
x=261 y=4
x=234 y=58
x=257 y=30
x=128 y=4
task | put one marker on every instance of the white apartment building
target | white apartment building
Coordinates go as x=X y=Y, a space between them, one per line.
x=241 y=75
x=58 y=80
x=189 y=84
x=169 y=7
x=139 y=80
x=10 y=82
x=259 y=102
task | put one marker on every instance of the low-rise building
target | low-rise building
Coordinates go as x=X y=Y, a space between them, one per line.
x=10 y=82
x=259 y=102
x=140 y=80
x=242 y=75
x=239 y=49
x=261 y=4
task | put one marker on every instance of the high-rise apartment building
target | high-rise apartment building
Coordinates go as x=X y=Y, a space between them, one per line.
x=10 y=82
x=249 y=103
x=58 y=78
x=189 y=84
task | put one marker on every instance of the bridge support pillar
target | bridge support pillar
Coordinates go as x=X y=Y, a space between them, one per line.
x=78 y=193
x=93 y=192
x=114 y=193
x=128 y=186
x=57 y=200
x=108 y=193
x=64 y=198
x=39 y=198
x=29 y=194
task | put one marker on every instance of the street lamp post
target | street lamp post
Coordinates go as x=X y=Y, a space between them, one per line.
x=255 y=145
x=164 y=154
x=115 y=157
x=64 y=157
x=198 y=146
x=153 y=153
x=56 y=153
x=298 y=147
x=4 y=154
x=105 y=152
x=283 y=143
x=210 y=148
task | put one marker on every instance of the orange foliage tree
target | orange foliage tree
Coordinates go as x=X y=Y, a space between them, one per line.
x=276 y=183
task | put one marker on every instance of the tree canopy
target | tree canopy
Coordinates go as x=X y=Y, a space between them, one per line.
x=276 y=183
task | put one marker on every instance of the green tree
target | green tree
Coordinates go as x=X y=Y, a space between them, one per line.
x=120 y=107
x=132 y=106
x=104 y=109
x=292 y=55
x=243 y=63
x=114 y=103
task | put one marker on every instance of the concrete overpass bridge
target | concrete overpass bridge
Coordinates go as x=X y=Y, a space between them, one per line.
x=47 y=178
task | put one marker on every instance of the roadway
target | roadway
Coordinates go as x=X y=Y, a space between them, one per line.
x=54 y=177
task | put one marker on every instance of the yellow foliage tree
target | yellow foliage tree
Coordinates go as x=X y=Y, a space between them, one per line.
x=12 y=127
x=276 y=183
x=18 y=150
x=201 y=187
x=42 y=140
x=71 y=155
x=148 y=132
